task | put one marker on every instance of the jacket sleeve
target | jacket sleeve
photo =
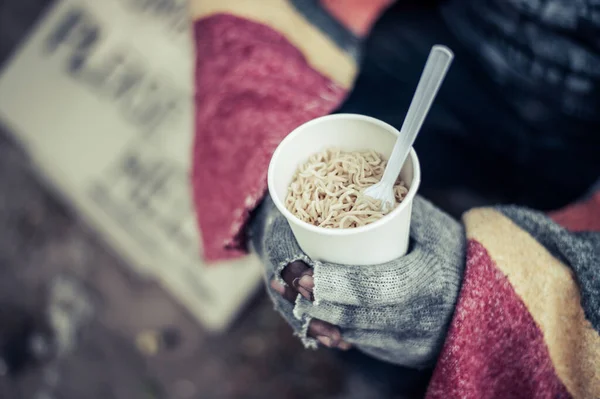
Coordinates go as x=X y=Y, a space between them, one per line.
x=527 y=320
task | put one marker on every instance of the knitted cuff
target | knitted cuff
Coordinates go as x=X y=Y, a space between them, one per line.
x=374 y=285
x=272 y=239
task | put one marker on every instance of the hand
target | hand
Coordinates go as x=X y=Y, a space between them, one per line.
x=397 y=311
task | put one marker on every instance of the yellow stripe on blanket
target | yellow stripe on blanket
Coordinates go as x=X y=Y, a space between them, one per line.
x=548 y=289
x=322 y=53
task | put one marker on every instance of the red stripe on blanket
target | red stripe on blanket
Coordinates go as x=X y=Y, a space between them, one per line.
x=356 y=15
x=584 y=216
x=252 y=88
x=494 y=349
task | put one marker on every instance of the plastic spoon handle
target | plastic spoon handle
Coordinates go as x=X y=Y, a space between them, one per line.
x=433 y=75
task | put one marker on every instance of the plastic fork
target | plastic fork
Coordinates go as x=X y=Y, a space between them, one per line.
x=433 y=75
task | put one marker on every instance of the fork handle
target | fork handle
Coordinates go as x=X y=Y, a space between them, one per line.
x=433 y=75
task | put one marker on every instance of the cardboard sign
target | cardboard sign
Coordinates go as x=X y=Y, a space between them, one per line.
x=101 y=97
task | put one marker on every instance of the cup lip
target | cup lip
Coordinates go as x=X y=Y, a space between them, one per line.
x=412 y=191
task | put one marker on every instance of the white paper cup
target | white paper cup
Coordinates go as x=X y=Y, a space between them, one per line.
x=378 y=242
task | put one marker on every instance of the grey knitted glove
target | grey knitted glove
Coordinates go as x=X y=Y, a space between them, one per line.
x=398 y=311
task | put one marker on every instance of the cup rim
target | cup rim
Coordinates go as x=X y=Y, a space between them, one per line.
x=341 y=232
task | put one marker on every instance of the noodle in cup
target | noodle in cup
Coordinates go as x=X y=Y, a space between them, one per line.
x=378 y=242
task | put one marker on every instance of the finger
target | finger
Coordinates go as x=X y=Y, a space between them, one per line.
x=327 y=334
x=288 y=293
x=306 y=284
x=299 y=276
x=344 y=346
